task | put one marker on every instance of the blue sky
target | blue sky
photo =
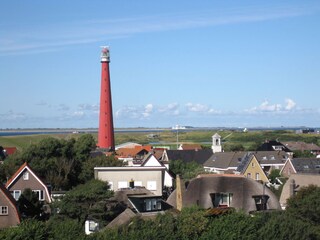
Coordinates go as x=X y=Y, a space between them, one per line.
x=195 y=63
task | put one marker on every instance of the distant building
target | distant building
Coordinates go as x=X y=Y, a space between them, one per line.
x=216 y=143
x=302 y=146
x=274 y=145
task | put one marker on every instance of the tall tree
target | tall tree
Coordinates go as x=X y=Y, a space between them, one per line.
x=84 y=200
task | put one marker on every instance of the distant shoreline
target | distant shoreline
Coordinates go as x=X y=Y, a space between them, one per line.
x=34 y=131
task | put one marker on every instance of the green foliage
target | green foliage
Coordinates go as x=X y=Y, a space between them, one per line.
x=305 y=205
x=191 y=223
x=302 y=154
x=275 y=173
x=186 y=170
x=58 y=161
x=232 y=226
x=87 y=172
x=233 y=147
x=84 y=200
x=28 y=230
x=29 y=205
x=281 y=225
x=65 y=228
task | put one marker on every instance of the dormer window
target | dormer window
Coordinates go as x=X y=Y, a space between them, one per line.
x=277 y=148
x=26 y=176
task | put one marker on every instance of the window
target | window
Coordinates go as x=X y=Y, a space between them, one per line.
x=3 y=210
x=152 y=204
x=257 y=176
x=252 y=164
x=93 y=226
x=122 y=184
x=16 y=194
x=40 y=194
x=248 y=175
x=138 y=183
x=26 y=176
x=152 y=185
x=221 y=199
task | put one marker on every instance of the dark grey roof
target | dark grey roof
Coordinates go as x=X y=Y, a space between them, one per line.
x=224 y=160
x=302 y=146
x=187 y=156
x=271 y=157
x=244 y=162
x=306 y=165
x=269 y=146
x=243 y=189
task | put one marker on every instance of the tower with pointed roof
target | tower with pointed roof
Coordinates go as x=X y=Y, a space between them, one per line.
x=216 y=143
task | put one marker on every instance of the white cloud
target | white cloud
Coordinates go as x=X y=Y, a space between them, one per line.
x=135 y=112
x=200 y=108
x=12 y=116
x=290 y=104
x=170 y=109
x=265 y=106
x=88 y=107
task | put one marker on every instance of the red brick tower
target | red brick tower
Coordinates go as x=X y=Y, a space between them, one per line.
x=106 y=131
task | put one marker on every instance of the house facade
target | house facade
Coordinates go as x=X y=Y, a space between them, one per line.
x=301 y=166
x=9 y=215
x=24 y=178
x=251 y=168
x=119 y=178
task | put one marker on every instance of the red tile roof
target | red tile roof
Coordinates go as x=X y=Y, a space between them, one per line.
x=10 y=150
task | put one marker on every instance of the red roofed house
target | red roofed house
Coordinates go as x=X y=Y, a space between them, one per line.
x=10 y=150
x=9 y=215
x=133 y=156
x=24 y=178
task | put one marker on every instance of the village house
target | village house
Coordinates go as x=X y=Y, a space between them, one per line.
x=295 y=183
x=24 y=178
x=250 y=168
x=301 y=166
x=223 y=191
x=9 y=215
x=119 y=178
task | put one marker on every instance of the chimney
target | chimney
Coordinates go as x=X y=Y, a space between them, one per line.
x=178 y=193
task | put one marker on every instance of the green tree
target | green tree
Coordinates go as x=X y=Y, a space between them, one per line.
x=84 y=200
x=29 y=229
x=65 y=228
x=29 y=205
x=231 y=226
x=282 y=226
x=89 y=164
x=305 y=205
x=186 y=170
x=191 y=223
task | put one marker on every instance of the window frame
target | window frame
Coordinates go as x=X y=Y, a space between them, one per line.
x=4 y=210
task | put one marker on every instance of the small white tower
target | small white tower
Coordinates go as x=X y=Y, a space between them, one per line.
x=216 y=143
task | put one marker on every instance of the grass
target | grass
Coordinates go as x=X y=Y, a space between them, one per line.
x=169 y=138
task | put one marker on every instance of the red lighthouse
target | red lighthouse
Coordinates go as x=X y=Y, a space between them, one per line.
x=106 y=131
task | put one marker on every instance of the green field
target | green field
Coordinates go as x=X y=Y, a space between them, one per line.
x=170 y=138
